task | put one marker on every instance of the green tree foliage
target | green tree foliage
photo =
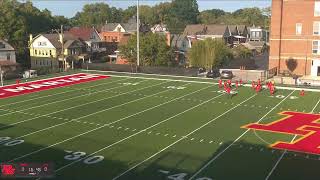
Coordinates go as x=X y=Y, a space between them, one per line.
x=211 y=16
x=96 y=14
x=246 y=16
x=209 y=54
x=153 y=50
x=182 y=12
x=18 y=20
x=241 y=52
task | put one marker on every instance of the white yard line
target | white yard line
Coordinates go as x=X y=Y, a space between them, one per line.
x=219 y=154
x=105 y=125
x=27 y=120
x=60 y=92
x=74 y=97
x=201 y=82
x=154 y=125
x=284 y=152
x=183 y=137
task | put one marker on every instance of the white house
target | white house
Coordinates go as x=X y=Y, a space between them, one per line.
x=7 y=56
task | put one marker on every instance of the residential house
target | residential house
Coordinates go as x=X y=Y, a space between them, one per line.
x=90 y=36
x=162 y=30
x=7 y=57
x=295 y=37
x=231 y=34
x=46 y=50
x=120 y=33
x=258 y=34
x=239 y=33
x=114 y=32
x=180 y=44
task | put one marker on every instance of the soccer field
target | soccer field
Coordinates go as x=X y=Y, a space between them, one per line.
x=149 y=127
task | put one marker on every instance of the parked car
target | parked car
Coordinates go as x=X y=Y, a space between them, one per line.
x=202 y=72
x=226 y=74
x=213 y=74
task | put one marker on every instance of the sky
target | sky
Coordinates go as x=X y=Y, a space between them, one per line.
x=69 y=8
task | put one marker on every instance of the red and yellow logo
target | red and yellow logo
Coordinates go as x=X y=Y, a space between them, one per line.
x=302 y=124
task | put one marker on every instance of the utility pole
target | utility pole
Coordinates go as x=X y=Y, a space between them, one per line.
x=1 y=76
x=64 y=62
x=138 y=32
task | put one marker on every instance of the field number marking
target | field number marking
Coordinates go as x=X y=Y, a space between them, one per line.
x=72 y=156
x=280 y=96
x=181 y=176
x=6 y=141
x=128 y=83
x=176 y=87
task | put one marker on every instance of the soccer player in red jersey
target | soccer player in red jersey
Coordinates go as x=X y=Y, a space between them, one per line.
x=240 y=82
x=229 y=82
x=237 y=84
x=302 y=92
x=228 y=90
x=271 y=90
x=252 y=84
x=220 y=83
x=259 y=81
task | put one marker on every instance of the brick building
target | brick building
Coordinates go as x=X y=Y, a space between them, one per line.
x=295 y=37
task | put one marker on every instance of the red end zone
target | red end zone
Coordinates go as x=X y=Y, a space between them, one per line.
x=41 y=85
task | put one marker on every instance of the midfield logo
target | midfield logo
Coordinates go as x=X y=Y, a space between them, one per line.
x=302 y=124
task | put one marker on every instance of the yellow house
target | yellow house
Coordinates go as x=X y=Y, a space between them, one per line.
x=45 y=50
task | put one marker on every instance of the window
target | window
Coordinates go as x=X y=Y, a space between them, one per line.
x=50 y=52
x=8 y=57
x=42 y=43
x=316 y=28
x=35 y=52
x=317 y=8
x=315 y=47
x=298 y=28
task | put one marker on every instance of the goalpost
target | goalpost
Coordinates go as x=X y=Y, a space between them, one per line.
x=1 y=76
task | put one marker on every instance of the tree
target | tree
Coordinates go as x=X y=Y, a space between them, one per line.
x=153 y=50
x=210 y=16
x=96 y=14
x=182 y=12
x=163 y=11
x=242 y=52
x=18 y=20
x=209 y=54
x=291 y=64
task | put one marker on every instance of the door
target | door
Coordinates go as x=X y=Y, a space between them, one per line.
x=318 y=74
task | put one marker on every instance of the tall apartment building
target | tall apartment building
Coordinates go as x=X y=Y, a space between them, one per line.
x=295 y=36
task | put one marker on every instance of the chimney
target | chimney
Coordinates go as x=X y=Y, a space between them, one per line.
x=168 y=38
x=60 y=38
x=30 y=38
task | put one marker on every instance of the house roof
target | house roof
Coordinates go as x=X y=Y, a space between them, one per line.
x=109 y=27
x=214 y=29
x=241 y=28
x=194 y=29
x=5 y=46
x=83 y=33
x=233 y=29
x=54 y=39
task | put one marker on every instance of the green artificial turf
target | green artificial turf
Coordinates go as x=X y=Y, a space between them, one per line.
x=154 y=129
